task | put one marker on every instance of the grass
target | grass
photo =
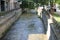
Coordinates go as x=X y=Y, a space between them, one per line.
x=56 y=17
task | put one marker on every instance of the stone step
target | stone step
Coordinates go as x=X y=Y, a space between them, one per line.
x=37 y=37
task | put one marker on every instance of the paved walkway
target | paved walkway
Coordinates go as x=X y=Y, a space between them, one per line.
x=26 y=25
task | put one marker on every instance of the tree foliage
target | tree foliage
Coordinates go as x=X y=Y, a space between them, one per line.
x=36 y=2
x=43 y=2
x=57 y=1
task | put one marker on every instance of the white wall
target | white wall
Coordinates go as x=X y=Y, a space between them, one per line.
x=11 y=4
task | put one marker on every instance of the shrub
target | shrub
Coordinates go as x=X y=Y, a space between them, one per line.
x=31 y=5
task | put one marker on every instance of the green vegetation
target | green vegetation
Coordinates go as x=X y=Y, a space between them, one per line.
x=26 y=4
x=42 y=2
x=57 y=17
x=31 y=5
x=58 y=1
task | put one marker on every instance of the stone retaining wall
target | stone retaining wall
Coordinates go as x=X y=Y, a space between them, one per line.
x=53 y=33
x=6 y=22
x=56 y=29
x=49 y=27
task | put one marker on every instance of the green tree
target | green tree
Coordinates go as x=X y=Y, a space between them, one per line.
x=42 y=2
x=57 y=1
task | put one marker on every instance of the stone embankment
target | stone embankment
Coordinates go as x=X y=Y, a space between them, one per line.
x=8 y=20
x=56 y=28
x=49 y=27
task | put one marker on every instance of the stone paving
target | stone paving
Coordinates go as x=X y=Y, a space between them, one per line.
x=26 y=25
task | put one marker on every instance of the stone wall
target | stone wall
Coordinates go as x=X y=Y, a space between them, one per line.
x=49 y=25
x=7 y=21
x=8 y=5
x=56 y=28
x=0 y=6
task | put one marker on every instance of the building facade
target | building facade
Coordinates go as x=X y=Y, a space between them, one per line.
x=6 y=5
